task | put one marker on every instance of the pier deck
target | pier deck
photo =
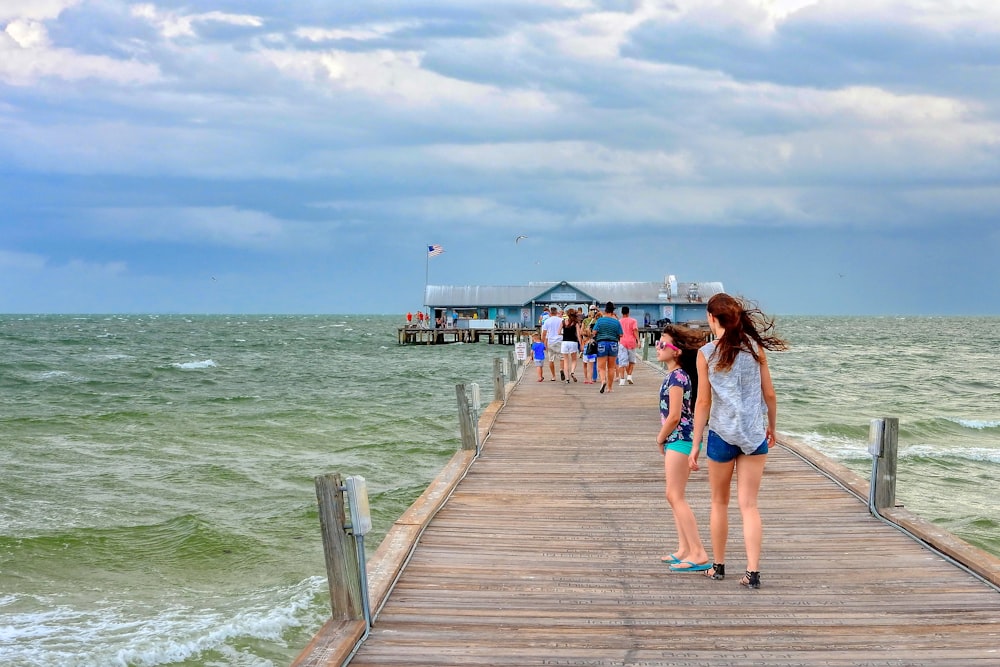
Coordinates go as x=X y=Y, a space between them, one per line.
x=548 y=553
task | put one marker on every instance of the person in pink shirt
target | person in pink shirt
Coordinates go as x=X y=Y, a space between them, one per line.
x=629 y=341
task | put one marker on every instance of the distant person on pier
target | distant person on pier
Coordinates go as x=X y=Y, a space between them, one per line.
x=538 y=354
x=629 y=341
x=409 y=318
x=607 y=332
x=552 y=337
x=570 y=344
x=586 y=343
x=677 y=395
x=737 y=403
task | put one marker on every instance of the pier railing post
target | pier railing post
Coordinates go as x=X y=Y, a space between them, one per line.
x=883 y=443
x=513 y=365
x=498 y=381
x=342 y=567
x=465 y=421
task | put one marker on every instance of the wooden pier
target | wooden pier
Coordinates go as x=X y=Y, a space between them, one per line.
x=415 y=335
x=546 y=551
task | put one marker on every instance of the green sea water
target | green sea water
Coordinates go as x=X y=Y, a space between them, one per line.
x=158 y=503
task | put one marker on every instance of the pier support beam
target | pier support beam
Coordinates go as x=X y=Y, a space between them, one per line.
x=342 y=567
x=883 y=442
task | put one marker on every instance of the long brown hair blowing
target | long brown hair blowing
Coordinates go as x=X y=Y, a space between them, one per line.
x=690 y=341
x=743 y=322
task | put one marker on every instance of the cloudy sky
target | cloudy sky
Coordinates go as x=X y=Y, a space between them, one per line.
x=266 y=156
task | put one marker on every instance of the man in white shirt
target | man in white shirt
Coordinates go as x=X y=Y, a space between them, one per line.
x=552 y=337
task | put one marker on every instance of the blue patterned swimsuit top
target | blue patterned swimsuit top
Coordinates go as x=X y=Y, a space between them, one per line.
x=677 y=378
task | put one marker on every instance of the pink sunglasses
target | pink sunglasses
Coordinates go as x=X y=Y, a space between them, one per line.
x=662 y=345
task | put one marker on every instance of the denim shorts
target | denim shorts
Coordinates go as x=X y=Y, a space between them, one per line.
x=607 y=348
x=721 y=451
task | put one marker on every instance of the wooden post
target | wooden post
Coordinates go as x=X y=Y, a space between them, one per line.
x=645 y=353
x=342 y=571
x=512 y=365
x=465 y=424
x=883 y=445
x=498 y=383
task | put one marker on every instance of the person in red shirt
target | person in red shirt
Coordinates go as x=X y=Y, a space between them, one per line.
x=629 y=340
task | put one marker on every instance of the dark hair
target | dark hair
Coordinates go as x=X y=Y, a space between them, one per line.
x=690 y=341
x=624 y=310
x=743 y=322
x=609 y=307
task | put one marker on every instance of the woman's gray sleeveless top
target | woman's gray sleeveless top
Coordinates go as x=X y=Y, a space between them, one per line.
x=739 y=414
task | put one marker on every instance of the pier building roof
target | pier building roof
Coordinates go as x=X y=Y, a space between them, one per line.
x=665 y=292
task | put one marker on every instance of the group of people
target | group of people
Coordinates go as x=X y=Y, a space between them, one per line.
x=717 y=391
x=723 y=386
x=607 y=344
x=423 y=320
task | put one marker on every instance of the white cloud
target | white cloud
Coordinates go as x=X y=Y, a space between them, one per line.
x=26 y=55
x=28 y=34
x=175 y=24
x=398 y=77
x=361 y=33
x=33 y=9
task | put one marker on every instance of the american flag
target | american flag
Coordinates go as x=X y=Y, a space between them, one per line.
x=434 y=250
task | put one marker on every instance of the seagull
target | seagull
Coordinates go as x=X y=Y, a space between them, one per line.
x=517 y=239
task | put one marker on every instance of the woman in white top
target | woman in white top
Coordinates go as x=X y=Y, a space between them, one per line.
x=737 y=402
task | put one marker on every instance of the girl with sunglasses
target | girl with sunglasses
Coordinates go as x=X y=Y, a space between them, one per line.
x=676 y=416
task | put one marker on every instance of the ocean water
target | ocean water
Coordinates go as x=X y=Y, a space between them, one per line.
x=157 y=503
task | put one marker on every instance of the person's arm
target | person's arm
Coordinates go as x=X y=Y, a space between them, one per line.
x=673 y=416
x=702 y=408
x=770 y=397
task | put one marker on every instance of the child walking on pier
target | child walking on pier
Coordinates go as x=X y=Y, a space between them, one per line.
x=676 y=417
x=738 y=405
x=538 y=354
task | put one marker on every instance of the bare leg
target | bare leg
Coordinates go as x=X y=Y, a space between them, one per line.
x=749 y=471
x=720 y=478
x=690 y=547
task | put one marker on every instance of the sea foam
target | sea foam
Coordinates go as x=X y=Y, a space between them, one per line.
x=978 y=424
x=188 y=365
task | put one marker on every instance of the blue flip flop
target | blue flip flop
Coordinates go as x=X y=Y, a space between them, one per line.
x=670 y=559
x=690 y=567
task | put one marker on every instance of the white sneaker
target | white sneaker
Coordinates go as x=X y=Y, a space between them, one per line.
x=629 y=378
x=621 y=383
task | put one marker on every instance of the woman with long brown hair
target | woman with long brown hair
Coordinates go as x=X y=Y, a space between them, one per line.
x=738 y=405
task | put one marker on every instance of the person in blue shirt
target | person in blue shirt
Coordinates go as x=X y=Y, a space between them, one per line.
x=538 y=354
x=607 y=332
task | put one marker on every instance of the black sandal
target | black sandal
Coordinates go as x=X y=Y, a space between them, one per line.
x=717 y=571
x=751 y=579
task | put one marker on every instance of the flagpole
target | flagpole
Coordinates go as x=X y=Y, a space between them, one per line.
x=427 y=268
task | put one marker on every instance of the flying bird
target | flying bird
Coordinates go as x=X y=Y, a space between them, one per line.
x=518 y=239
